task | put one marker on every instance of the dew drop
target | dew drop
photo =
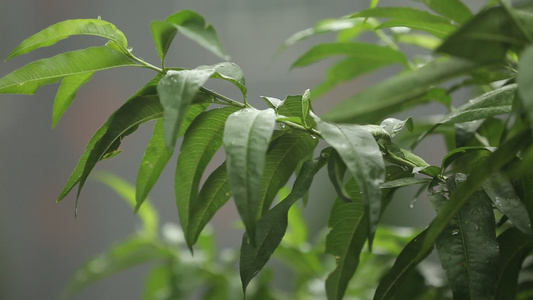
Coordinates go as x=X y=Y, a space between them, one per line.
x=455 y=232
x=314 y=137
x=412 y=204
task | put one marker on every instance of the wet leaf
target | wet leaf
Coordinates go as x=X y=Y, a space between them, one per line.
x=66 y=94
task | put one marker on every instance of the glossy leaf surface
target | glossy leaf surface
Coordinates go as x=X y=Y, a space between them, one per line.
x=66 y=94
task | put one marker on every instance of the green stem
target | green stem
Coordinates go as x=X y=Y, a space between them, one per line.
x=302 y=128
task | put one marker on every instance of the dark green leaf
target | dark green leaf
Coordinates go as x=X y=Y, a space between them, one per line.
x=362 y=156
x=491 y=29
x=459 y=152
x=66 y=94
x=371 y=104
x=292 y=106
x=176 y=92
x=514 y=247
x=231 y=72
x=336 y=172
x=157 y=154
x=163 y=33
x=27 y=79
x=246 y=138
x=525 y=81
x=468 y=249
x=122 y=122
x=503 y=196
x=404 y=182
x=345 y=240
x=272 y=226
x=126 y=254
x=193 y=26
x=62 y=30
x=200 y=143
x=521 y=16
x=453 y=9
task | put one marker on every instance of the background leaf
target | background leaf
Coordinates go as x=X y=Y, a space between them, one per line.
x=453 y=9
x=66 y=94
x=525 y=80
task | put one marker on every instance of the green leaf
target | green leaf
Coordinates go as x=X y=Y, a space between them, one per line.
x=159 y=285
x=336 y=172
x=176 y=92
x=123 y=255
x=246 y=138
x=27 y=79
x=122 y=122
x=401 y=13
x=521 y=17
x=163 y=33
x=525 y=80
x=362 y=156
x=306 y=106
x=367 y=55
x=230 y=72
x=453 y=9
x=504 y=198
x=440 y=30
x=492 y=29
x=374 y=103
x=62 y=30
x=468 y=249
x=293 y=106
x=157 y=154
x=148 y=214
x=404 y=182
x=393 y=126
x=374 y=3
x=214 y=194
x=418 y=39
x=200 y=143
x=459 y=152
x=281 y=161
x=66 y=94
x=514 y=248
x=193 y=26
x=272 y=226
x=348 y=232
x=406 y=262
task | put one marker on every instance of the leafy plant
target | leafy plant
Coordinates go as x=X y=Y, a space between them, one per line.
x=484 y=176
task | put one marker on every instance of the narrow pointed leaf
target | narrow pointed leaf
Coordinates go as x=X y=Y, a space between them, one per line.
x=67 y=92
x=401 y=13
x=468 y=249
x=163 y=33
x=521 y=16
x=336 y=172
x=453 y=9
x=525 y=80
x=27 y=79
x=230 y=72
x=176 y=92
x=439 y=30
x=504 y=198
x=348 y=232
x=371 y=104
x=461 y=151
x=514 y=248
x=292 y=106
x=122 y=122
x=62 y=30
x=404 y=182
x=193 y=26
x=272 y=226
x=362 y=156
x=246 y=138
x=157 y=155
x=201 y=141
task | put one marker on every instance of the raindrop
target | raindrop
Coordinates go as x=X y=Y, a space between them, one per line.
x=130 y=49
x=455 y=232
x=412 y=204
x=282 y=125
x=313 y=137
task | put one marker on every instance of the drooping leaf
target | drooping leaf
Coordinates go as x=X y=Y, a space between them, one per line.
x=362 y=156
x=459 y=152
x=163 y=33
x=525 y=79
x=193 y=26
x=123 y=255
x=504 y=198
x=27 y=79
x=230 y=72
x=122 y=122
x=66 y=94
x=514 y=247
x=453 y=9
x=62 y=30
x=492 y=29
x=336 y=172
x=176 y=92
x=371 y=104
x=201 y=141
x=348 y=232
x=404 y=182
x=148 y=214
x=468 y=249
x=272 y=226
x=157 y=154
x=246 y=138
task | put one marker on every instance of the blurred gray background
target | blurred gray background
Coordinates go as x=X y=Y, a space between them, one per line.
x=41 y=243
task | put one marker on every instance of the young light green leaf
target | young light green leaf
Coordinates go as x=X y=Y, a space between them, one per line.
x=348 y=232
x=514 y=248
x=362 y=156
x=176 y=92
x=148 y=214
x=459 y=152
x=404 y=182
x=126 y=254
x=453 y=9
x=62 y=30
x=504 y=198
x=468 y=249
x=306 y=106
x=374 y=3
x=524 y=79
x=67 y=92
x=163 y=33
x=230 y=72
x=418 y=39
x=122 y=122
x=372 y=104
x=160 y=282
x=157 y=154
x=272 y=226
x=201 y=141
x=27 y=79
x=246 y=138
x=193 y=26
x=491 y=29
